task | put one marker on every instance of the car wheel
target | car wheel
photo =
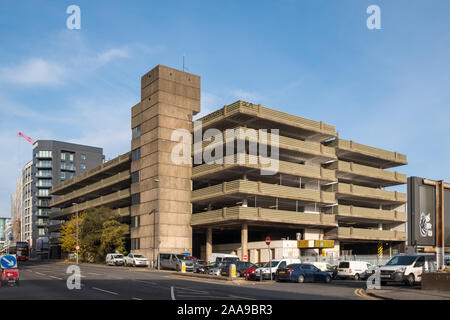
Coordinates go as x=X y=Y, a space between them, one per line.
x=327 y=279
x=383 y=283
x=356 y=276
x=300 y=279
x=410 y=280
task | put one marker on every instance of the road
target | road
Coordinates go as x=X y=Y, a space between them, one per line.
x=48 y=281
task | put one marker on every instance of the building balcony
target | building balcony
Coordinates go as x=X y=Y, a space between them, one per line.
x=365 y=175
x=359 y=194
x=245 y=187
x=116 y=199
x=253 y=164
x=360 y=214
x=94 y=190
x=235 y=215
x=344 y=233
x=356 y=152
x=290 y=148
x=245 y=113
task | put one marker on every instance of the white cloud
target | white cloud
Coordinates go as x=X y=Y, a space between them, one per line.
x=111 y=54
x=35 y=71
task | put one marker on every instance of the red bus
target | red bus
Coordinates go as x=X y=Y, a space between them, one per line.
x=21 y=250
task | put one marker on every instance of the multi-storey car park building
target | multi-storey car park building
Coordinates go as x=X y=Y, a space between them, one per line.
x=324 y=188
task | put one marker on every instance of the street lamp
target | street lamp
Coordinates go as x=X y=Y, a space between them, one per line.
x=77 y=248
x=159 y=226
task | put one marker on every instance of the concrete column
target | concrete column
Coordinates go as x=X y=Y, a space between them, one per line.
x=208 y=244
x=244 y=241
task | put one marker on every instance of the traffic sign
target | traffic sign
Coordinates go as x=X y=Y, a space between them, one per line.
x=268 y=240
x=8 y=262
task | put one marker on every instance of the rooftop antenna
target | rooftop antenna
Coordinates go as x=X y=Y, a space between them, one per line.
x=184 y=68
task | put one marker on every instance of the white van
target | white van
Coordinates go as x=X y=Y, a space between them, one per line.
x=221 y=257
x=352 y=269
x=115 y=259
x=279 y=263
x=407 y=268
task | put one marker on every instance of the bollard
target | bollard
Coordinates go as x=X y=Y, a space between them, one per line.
x=183 y=267
x=232 y=271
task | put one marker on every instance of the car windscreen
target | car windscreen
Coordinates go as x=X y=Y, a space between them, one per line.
x=344 y=265
x=292 y=266
x=273 y=265
x=183 y=257
x=118 y=256
x=138 y=256
x=401 y=261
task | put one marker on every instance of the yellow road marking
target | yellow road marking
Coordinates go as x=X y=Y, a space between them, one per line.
x=360 y=293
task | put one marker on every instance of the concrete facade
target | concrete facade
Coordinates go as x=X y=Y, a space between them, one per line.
x=169 y=99
x=324 y=187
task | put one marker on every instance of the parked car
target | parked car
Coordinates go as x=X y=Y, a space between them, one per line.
x=223 y=257
x=200 y=266
x=216 y=268
x=115 y=259
x=371 y=269
x=241 y=266
x=302 y=272
x=447 y=262
x=174 y=261
x=323 y=266
x=136 y=260
x=351 y=269
x=407 y=268
x=281 y=263
x=249 y=274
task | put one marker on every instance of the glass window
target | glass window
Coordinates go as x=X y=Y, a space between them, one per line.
x=136 y=132
x=63 y=175
x=136 y=154
x=63 y=156
x=135 y=177
x=83 y=156
x=135 y=198
x=71 y=157
x=83 y=166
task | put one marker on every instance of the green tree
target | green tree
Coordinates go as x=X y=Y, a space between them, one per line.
x=113 y=237
x=69 y=235
x=92 y=232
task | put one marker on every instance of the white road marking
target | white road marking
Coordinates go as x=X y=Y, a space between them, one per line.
x=41 y=274
x=95 y=274
x=55 y=277
x=147 y=282
x=238 y=297
x=110 y=292
x=172 y=294
x=135 y=298
x=114 y=277
x=192 y=290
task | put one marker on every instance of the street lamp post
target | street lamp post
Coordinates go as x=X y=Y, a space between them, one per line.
x=77 y=248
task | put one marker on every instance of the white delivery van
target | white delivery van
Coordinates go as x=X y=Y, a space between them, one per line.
x=352 y=269
x=407 y=268
x=222 y=257
x=278 y=263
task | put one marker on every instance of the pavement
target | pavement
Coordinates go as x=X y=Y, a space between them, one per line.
x=407 y=293
x=49 y=281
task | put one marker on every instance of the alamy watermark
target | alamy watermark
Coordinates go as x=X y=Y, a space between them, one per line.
x=74 y=280
x=259 y=142
x=74 y=20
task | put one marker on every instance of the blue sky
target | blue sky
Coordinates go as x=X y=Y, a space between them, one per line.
x=317 y=59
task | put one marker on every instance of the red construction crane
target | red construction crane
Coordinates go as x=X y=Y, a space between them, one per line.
x=20 y=134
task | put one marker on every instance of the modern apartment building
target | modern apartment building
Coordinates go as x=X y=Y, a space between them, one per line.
x=322 y=187
x=54 y=162
x=3 y=234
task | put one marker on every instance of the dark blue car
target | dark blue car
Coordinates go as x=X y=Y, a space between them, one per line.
x=302 y=272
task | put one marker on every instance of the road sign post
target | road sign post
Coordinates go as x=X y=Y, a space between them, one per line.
x=270 y=258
